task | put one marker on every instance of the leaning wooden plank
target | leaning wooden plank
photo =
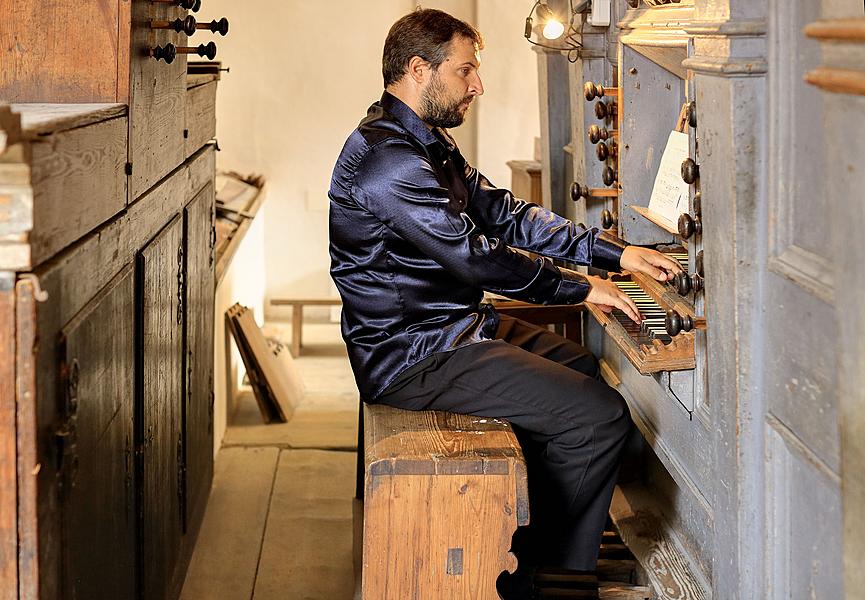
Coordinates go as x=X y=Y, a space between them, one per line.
x=283 y=386
x=647 y=535
x=268 y=407
x=8 y=483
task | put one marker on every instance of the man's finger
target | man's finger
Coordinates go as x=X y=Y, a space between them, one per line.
x=629 y=308
x=667 y=263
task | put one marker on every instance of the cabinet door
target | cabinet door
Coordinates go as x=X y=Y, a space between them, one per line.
x=199 y=352
x=160 y=273
x=96 y=443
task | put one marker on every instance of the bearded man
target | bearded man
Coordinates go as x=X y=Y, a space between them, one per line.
x=416 y=237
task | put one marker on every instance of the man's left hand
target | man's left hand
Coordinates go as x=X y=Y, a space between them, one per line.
x=651 y=262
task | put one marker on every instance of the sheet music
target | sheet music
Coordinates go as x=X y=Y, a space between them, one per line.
x=670 y=192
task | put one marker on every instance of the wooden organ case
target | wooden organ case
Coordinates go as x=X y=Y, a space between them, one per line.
x=753 y=421
x=106 y=296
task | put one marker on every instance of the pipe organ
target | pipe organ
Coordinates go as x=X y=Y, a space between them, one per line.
x=738 y=492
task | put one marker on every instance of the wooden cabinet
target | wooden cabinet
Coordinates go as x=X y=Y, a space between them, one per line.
x=106 y=317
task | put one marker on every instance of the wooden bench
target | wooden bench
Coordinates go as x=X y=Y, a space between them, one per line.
x=297 y=305
x=443 y=494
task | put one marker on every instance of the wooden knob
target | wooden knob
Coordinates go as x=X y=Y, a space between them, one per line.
x=633 y=3
x=690 y=171
x=610 y=175
x=674 y=323
x=187 y=25
x=168 y=53
x=698 y=204
x=608 y=219
x=579 y=191
x=196 y=6
x=685 y=283
x=220 y=26
x=596 y=134
x=606 y=150
x=692 y=114
x=688 y=226
x=593 y=90
x=604 y=110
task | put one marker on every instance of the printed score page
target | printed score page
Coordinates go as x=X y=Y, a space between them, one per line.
x=670 y=192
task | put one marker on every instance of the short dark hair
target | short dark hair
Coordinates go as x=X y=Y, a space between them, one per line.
x=426 y=33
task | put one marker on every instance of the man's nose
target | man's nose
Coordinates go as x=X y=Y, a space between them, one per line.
x=475 y=86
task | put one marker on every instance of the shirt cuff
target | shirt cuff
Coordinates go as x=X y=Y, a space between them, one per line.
x=607 y=252
x=573 y=288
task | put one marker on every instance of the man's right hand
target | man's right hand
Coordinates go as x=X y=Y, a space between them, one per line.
x=606 y=295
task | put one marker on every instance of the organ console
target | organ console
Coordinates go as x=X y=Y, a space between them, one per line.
x=733 y=376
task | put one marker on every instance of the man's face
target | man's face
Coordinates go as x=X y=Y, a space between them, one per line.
x=452 y=87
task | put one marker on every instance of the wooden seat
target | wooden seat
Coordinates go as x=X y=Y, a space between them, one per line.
x=443 y=495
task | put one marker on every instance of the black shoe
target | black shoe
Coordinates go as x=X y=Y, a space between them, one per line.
x=517 y=586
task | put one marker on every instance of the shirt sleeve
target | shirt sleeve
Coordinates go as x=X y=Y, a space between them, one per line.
x=398 y=185
x=531 y=227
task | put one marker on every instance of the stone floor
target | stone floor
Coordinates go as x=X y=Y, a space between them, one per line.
x=279 y=519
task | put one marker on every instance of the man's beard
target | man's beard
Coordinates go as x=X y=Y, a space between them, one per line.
x=437 y=110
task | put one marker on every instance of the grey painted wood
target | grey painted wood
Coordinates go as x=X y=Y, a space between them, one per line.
x=160 y=268
x=97 y=457
x=200 y=117
x=555 y=129
x=652 y=99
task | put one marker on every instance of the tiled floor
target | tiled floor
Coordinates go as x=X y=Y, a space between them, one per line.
x=279 y=520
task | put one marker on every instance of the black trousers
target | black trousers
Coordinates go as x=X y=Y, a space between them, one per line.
x=571 y=425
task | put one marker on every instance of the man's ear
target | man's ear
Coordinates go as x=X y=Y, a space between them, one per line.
x=418 y=69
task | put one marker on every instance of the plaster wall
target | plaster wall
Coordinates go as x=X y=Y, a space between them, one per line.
x=302 y=76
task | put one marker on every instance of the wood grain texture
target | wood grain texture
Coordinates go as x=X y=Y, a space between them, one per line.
x=8 y=473
x=78 y=183
x=158 y=99
x=43 y=62
x=199 y=352
x=670 y=573
x=28 y=465
x=200 y=117
x=97 y=464
x=443 y=495
x=39 y=119
x=161 y=409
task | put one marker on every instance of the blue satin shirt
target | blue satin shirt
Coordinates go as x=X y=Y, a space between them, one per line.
x=417 y=235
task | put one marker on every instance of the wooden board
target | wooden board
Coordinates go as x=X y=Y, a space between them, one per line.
x=279 y=385
x=200 y=117
x=41 y=119
x=32 y=575
x=158 y=99
x=270 y=409
x=8 y=473
x=665 y=562
x=160 y=425
x=44 y=61
x=78 y=183
x=97 y=447
x=199 y=354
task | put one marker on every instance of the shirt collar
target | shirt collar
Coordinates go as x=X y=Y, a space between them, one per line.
x=437 y=137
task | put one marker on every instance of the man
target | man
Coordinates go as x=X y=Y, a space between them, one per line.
x=417 y=235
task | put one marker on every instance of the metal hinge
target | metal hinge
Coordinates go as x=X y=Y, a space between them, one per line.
x=128 y=168
x=181 y=284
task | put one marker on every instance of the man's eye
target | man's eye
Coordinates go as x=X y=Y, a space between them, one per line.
x=465 y=70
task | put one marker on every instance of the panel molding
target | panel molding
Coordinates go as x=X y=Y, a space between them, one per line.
x=808 y=270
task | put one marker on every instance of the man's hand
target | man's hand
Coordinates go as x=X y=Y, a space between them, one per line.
x=651 y=262
x=607 y=296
